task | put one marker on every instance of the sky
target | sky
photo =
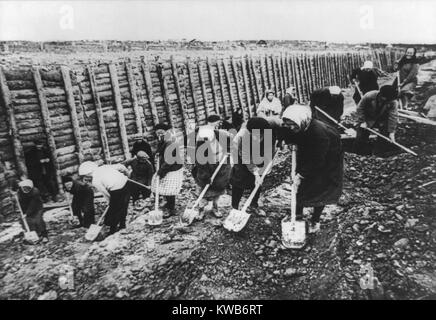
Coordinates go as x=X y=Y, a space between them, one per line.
x=327 y=20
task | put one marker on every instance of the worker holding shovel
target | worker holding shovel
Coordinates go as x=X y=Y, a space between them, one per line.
x=211 y=147
x=319 y=169
x=377 y=109
x=30 y=202
x=82 y=203
x=114 y=186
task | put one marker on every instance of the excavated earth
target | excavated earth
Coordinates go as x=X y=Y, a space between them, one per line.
x=384 y=226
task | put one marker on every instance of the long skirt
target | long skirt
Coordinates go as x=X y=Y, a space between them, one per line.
x=169 y=185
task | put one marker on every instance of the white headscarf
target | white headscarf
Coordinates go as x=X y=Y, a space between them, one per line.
x=26 y=183
x=301 y=115
x=367 y=65
x=335 y=90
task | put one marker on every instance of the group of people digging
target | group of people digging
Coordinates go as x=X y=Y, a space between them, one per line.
x=319 y=158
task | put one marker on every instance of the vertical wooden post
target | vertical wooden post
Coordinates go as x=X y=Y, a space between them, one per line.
x=267 y=73
x=132 y=89
x=13 y=129
x=224 y=82
x=276 y=73
x=255 y=82
x=284 y=73
x=47 y=126
x=296 y=78
x=192 y=85
x=180 y=96
x=119 y=107
x=203 y=88
x=212 y=84
x=273 y=76
x=235 y=77
x=100 y=116
x=68 y=87
x=165 y=95
x=150 y=97
x=247 y=86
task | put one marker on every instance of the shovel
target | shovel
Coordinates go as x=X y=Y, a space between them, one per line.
x=237 y=219
x=293 y=231
x=94 y=229
x=74 y=220
x=155 y=217
x=29 y=236
x=190 y=214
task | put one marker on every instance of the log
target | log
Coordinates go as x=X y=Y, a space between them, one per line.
x=221 y=84
x=165 y=95
x=255 y=82
x=234 y=69
x=47 y=126
x=268 y=81
x=134 y=97
x=212 y=84
x=244 y=63
x=100 y=117
x=181 y=97
x=16 y=143
x=150 y=97
x=203 y=88
x=192 y=86
x=229 y=86
x=73 y=111
x=417 y=119
x=275 y=75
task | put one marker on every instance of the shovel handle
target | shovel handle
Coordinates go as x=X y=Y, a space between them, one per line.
x=358 y=89
x=139 y=184
x=206 y=187
x=102 y=216
x=330 y=118
x=156 y=195
x=69 y=204
x=21 y=213
x=253 y=193
x=389 y=140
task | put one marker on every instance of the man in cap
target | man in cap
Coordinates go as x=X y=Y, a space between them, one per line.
x=114 y=186
x=330 y=100
x=82 y=203
x=377 y=109
x=270 y=106
x=142 y=172
x=30 y=202
x=142 y=145
x=364 y=78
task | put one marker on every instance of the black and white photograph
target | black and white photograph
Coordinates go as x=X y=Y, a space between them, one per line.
x=197 y=151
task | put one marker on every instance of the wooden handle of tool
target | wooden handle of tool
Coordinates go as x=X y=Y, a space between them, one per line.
x=69 y=204
x=206 y=187
x=156 y=195
x=294 y=189
x=358 y=89
x=253 y=193
x=389 y=140
x=417 y=119
x=103 y=215
x=330 y=118
x=26 y=226
x=139 y=184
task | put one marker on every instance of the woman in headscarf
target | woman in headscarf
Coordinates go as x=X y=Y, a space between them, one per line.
x=169 y=156
x=367 y=80
x=319 y=161
x=211 y=146
x=408 y=68
x=30 y=202
x=270 y=106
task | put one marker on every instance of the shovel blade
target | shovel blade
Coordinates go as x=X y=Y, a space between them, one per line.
x=31 y=237
x=93 y=232
x=189 y=215
x=236 y=220
x=155 y=218
x=293 y=234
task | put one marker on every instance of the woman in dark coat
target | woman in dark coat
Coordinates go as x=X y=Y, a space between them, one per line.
x=212 y=146
x=408 y=68
x=367 y=80
x=319 y=161
x=330 y=100
x=82 y=203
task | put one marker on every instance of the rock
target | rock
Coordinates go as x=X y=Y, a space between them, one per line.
x=380 y=256
x=411 y=223
x=399 y=208
x=421 y=228
x=401 y=243
x=290 y=272
x=204 y=277
x=50 y=295
x=250 y=283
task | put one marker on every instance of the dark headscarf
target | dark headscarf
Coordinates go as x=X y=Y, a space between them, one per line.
x=257 y=123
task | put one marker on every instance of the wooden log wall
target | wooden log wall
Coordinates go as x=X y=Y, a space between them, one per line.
x=95 y=112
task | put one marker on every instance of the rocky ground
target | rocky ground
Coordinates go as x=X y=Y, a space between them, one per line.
x=384 y=227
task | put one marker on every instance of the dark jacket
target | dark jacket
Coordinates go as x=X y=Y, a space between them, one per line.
x=83 y=199
x=377 y=115
x=288 y=100
x=333 y=105
x=320 y=163
x=164 y=164
x=367 y=79
x=31 y=203
x=142 y=171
